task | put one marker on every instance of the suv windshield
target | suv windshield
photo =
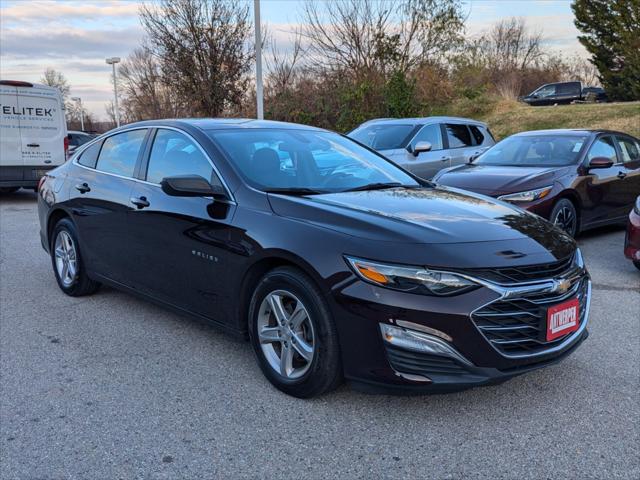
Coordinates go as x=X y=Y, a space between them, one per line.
x=384 y=136
x=534 y=151
x=306 y=161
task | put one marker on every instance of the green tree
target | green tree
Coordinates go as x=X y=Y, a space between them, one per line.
x=611 y=33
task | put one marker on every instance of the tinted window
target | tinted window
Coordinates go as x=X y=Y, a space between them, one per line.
x=458 y=136
x=568 y=88
x=534 y=151
x=120 y=152
x=429 y=133
x=384 y=136
x=603 y=148
x=173 y=153
x=545 y=91
x=89 y=157
x=321 y=161
x=477 y=134
x=630 y=150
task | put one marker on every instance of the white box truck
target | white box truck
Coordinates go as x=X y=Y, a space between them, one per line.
x=33 y=133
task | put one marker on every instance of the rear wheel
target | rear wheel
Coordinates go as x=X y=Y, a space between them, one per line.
x=293 y=334
x=68 y=267
x=9 y=189
x=565 y=216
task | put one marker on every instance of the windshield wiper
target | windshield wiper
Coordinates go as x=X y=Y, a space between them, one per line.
x=294 y=191
x=378 y=186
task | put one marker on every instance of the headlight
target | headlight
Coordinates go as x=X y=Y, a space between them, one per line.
x=636 y=207
x=528 y=196
x=410 y=279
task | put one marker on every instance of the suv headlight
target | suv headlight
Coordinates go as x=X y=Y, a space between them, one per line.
x=410 y=279
x=528 y=196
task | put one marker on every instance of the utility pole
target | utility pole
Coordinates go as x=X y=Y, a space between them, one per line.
x=112 y=61
x=78 y=100
x=259 y=91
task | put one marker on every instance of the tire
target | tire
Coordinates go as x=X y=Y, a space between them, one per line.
x=565 y=216
x=4 y=190
x=305 y=325
x=64 y=248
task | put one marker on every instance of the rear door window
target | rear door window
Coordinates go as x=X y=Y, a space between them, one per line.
x=478 y=136
x=629 y=149
x=119 y=152
x=458 y=135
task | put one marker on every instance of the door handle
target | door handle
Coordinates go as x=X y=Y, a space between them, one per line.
x=83 y=187
x=140 y=202
x=445 y=159
x=621 y=174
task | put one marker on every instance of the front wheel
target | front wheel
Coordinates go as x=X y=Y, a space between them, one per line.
x=565 y=216
x=293 y=335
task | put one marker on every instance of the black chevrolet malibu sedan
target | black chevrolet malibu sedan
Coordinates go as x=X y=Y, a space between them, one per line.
x=333 y=261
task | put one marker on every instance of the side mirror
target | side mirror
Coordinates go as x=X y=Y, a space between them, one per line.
x=600 y=162
x=421 y=147
x=190 y=186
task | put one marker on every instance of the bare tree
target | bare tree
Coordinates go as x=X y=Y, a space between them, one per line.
x=144 y=93
x=510 y=45
x=203 y=49
x=379 y=35
x=56 y=79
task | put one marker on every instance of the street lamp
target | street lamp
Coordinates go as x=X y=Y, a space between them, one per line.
x=112 y=61
x=78 y=100
x=258 y=47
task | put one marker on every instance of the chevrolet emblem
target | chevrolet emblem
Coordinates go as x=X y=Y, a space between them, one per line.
x=563 y=285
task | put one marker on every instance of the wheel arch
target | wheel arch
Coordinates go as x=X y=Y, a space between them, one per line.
x=54 y=217
x=267 y=262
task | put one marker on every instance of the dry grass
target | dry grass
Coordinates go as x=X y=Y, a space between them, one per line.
x=508 y=117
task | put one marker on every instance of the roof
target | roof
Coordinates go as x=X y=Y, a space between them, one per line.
x=223 y=123
x=422 y=120
x=567 y=131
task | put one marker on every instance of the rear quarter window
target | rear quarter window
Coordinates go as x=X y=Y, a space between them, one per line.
x=89 y=157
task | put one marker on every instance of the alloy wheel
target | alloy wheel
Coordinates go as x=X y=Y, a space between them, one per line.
x=286 y=334
x=66 y=258
x=565 y=219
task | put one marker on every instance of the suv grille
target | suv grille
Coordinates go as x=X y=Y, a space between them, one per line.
x=526 y=273
x=518 y=326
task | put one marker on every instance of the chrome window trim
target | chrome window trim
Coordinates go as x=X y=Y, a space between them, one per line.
x=149 y=127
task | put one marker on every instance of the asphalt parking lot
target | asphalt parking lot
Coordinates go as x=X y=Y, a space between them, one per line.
x=109 y=386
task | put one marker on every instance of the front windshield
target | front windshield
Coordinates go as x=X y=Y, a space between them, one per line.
x=384 y=136
x=534 y=151
x=280 y=159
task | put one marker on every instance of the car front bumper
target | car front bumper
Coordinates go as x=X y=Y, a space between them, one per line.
x=374 y=365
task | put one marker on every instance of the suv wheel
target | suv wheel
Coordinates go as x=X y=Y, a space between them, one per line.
x=564 y=216
x=293 y=335
x=67 y=263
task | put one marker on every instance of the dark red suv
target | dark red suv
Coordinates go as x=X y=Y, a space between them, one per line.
x=578 y=179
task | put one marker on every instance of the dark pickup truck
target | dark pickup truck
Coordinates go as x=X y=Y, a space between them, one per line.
x=564 y=92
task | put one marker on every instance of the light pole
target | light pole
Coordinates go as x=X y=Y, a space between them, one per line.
x=78 y=100
x=259 y=93
x=112 y=61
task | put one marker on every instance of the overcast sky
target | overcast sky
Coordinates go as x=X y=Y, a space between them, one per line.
x=75 y=37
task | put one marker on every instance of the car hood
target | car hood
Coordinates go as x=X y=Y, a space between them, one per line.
x=500 y=180
x=427 y=215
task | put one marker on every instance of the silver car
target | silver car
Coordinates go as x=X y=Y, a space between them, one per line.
x=424 y=146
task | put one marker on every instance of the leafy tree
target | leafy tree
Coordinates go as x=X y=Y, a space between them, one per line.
x=611 y=33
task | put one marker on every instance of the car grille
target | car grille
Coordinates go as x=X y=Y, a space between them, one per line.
x=526 y=273
x=518 y=326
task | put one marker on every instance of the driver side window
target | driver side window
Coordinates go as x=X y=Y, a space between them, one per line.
x=546 y=91
x=603 y=148
x=429 y=133
x=173 y=153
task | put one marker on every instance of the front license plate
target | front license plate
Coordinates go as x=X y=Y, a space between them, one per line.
x=562 y=319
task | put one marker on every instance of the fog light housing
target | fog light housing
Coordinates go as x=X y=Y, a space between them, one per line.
x=419 y=342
